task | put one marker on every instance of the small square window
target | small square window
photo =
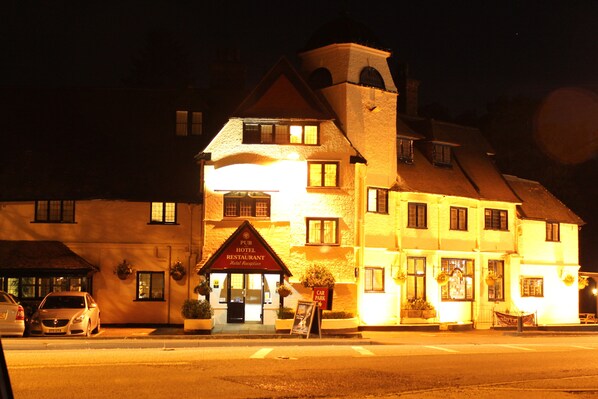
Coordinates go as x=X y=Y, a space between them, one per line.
x=322 y=231
x=532 y=286
x=495 y=219
x=374 y=279
x=417 y=217
x=150 y=286
x=458 y=218
x=378 y=200
x=55 y=211
x=163 y=213
x=553 y=231
x=322 y=174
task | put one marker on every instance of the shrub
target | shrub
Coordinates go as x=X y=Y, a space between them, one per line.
x=418 y=304
x=317 y=276
x=194 y=309
x=336 y=314
x=285 y=313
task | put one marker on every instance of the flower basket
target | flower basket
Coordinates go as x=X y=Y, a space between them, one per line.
x=442 y=279
x=283 y=290
x=582 y=282
x=177 y=271
x=203 y=288
x=400 y=277
x=568 y=280
x=491 y=279
x=123 y=270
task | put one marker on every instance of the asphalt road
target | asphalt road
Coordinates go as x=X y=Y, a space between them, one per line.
x=407 y=365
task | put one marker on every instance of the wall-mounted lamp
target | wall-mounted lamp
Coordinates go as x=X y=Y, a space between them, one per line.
x=356 y=272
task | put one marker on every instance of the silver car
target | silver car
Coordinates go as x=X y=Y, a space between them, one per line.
x=12 y=316
x=66 y=313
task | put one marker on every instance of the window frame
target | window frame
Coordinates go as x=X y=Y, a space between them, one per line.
x=466 y=268
x=492 y=217
x=374 y=204
x=188 y=123
x=497 y=268
x=323 y=165
x=164 y=212
x=442 y=155
x=529 y=287
x=416 y=277
x=65 y=207
x=274 y=133
x=150 y=298
x=413 y=222
x=552 y=234
x=370 y=274
x=460 y=219
x=322 y=230
x=405 y=150
x=371 y=77
x=253 y=198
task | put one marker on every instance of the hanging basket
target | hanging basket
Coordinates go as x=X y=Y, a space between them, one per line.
x=568 y=280
x=582 y=282
x=283 y=290
x=442 y=279
x=203 y=288
x=400 y=277
x=177 y=271
x=123 y=270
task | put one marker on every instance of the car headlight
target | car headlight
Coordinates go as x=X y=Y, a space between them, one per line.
x=79 y=319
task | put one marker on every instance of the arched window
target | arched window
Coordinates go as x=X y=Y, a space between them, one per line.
x=320 y=78
x=371 y=77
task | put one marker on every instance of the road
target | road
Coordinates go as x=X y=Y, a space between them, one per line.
x=406 y=365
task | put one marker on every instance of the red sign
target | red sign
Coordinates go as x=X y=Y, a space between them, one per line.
x=321 y=297
x=245 y=251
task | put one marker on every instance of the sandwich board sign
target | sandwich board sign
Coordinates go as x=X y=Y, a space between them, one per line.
x=304 y=316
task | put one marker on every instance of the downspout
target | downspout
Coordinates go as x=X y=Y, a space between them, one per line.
x=169 y=283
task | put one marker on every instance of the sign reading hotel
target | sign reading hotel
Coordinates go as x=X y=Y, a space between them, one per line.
x=245 y=251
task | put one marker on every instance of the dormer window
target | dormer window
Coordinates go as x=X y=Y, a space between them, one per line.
x=441 y=155
x=369 y=76
x=271 y=133
x=405 y=150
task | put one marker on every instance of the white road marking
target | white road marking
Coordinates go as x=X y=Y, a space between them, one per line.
x=262 y=353
x=442 y=349
x=582 y=347
x=521 y=348
x=363 y=351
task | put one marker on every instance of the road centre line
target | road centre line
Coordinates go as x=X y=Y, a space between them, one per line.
x=582 y=347
x=363 y=351
x=441 y=349
x=262 y=353
x=521 y=348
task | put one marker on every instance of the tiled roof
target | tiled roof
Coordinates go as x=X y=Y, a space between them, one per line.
x=539 y=203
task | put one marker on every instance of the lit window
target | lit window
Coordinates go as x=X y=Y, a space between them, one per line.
x=271 y=133
x=322 y=174
x=322 y=231
x=55 y=211
x=553 y=231
x=417 y=217
x=496 y=285
x=458 y=218
x=495 y=219
x=405 y=150
x=416 y=278
x=246 y=204
x=442 y=155
x=532 y=286
x=189 y=123
x=163 y=212
x=150 y=286
x=374 y=279
x=377 y=200
x=460 y=282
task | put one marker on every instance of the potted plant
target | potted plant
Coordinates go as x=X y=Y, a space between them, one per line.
x=123 y=270
x=198 y=316
x=442 y=278
x=491 y=278
x=418 y=308
x=177 y=271
x=203 y=288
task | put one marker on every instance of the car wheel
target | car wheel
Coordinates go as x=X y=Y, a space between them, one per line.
x=97 y=329
x=88 y=329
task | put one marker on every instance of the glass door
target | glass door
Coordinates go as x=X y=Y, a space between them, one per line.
x=236 y=298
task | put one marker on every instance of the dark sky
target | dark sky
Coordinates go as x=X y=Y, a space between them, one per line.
x=464 y=52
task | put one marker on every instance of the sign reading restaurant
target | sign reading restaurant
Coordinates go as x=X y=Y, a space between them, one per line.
x=245 y=251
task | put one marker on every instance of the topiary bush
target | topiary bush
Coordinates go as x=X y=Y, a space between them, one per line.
x=317 y=276
x=194 y=309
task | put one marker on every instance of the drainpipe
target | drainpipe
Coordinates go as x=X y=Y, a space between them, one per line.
x=169 y=283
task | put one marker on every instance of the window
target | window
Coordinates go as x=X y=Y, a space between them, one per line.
x=374 y=279
x=460 y=282
x=320 y=78
x=150 y=286
x=495 y=219
x=441 y=155
x=163 y=213
x=405 y=150
x=39 y=287
x=532 y=286
x=416 y=217
x=378 y=200
x=189 y=123
x=553 y=231
x=322 y=231
x=322 y=174
x=416 y=278
x=246 y=204
x=458 y=218
x=496 y=285
x=270 y=133
x=55 y=211
x=371 y=77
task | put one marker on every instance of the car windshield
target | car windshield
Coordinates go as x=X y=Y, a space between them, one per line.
x=62 y=302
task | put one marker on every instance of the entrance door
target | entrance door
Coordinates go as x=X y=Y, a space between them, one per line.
x=236 y=298
x=254 y=284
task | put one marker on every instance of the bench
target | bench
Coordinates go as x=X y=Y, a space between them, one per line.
x=587 y=318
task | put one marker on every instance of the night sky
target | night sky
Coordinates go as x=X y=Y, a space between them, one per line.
x=465 y=53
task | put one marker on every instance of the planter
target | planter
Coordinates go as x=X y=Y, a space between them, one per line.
x=418 y=313
x=198 y=326
x=283 y=325
x=340 y=325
